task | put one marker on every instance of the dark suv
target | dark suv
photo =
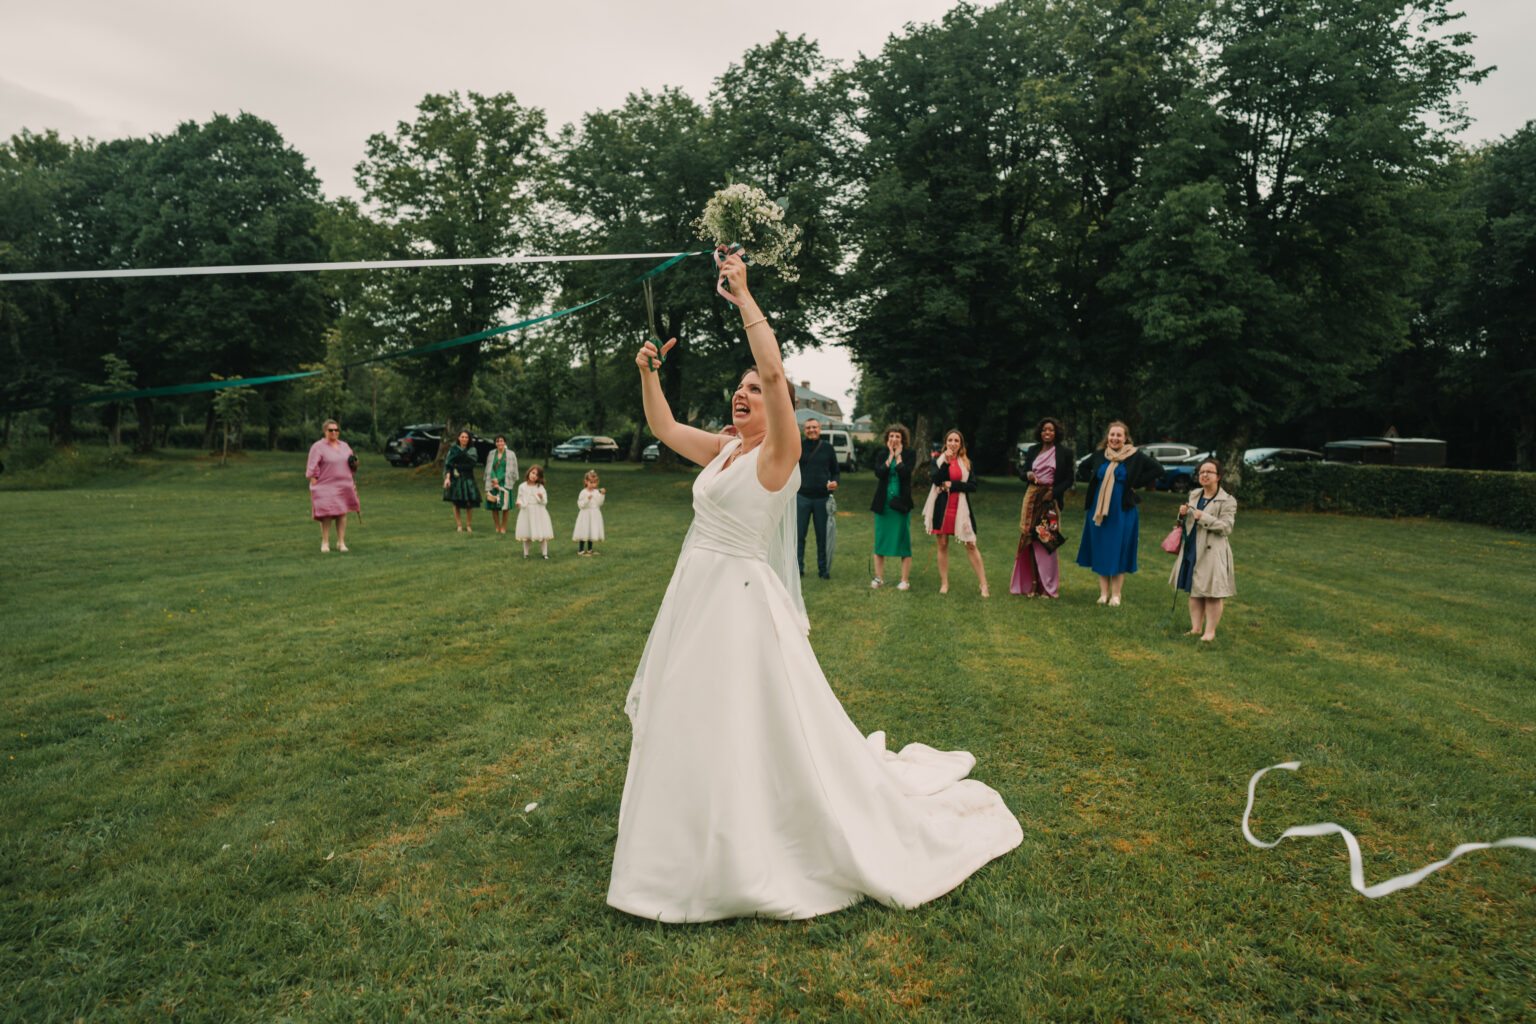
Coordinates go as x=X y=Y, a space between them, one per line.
x=417 y=445
x=588 y=448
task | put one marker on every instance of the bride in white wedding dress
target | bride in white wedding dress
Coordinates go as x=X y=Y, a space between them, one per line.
x=750 y=792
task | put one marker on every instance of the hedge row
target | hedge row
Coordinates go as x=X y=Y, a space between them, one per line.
x=1490 y=497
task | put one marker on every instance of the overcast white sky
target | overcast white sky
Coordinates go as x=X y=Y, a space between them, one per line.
x=329 y=73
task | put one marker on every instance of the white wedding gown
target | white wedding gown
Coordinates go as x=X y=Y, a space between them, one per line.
x=750 y=792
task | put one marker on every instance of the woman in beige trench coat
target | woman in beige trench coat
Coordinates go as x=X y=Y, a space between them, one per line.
x=1204 y=563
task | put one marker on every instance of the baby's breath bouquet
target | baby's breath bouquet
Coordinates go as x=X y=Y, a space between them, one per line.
x=742 y=215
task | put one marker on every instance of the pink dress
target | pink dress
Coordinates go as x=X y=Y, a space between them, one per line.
x=1036 y=570
x=333 y=493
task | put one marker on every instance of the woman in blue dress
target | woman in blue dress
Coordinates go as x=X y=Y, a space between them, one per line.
x=1111 y=529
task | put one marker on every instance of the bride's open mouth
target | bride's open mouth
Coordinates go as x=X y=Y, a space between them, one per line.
x=740 y=408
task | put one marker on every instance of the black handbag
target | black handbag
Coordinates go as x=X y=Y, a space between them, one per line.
x=1048 y=530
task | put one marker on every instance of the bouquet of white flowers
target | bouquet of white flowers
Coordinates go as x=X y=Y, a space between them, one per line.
x=742 y=215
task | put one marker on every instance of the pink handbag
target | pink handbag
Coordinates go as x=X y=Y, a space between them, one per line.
x=1174 y=538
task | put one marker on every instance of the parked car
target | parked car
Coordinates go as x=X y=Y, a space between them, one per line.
x=417 y=445
x=1387 y=451
x=842 y=443
x=1267 y=460
x=1174 y=457
x=1258 y=460
x=652 y=452
x=587 y=448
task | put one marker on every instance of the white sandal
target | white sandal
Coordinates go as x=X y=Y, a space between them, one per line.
x=876 y=583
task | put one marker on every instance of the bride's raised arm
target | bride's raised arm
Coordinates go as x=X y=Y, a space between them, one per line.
x=781 y=446
x=690 y=442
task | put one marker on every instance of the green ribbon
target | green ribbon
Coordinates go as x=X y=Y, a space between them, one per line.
x=248 y=382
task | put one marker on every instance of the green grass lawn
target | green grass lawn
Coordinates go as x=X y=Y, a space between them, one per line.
x=244 y=781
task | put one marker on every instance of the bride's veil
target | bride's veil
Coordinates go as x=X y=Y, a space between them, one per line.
x=782 y=558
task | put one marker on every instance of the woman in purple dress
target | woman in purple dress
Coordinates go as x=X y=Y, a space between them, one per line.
x=332 y=491
x=1047 y=467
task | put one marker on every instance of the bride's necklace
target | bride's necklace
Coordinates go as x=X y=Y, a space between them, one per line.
x=738 y=453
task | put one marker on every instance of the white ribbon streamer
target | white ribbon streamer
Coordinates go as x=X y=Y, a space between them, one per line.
x=1356 y=868
x=284 y=268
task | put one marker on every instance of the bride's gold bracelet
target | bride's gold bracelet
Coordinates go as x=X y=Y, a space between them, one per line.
x=754 y=323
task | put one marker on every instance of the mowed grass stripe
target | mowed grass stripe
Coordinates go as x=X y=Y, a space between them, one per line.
x=257 y=782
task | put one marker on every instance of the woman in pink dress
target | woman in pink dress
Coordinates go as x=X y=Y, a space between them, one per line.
x=1047 y=467
x=332 y=492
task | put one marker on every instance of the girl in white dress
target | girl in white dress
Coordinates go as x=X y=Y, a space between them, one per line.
x=589 y=520
x=749 y=790
x=533 y=521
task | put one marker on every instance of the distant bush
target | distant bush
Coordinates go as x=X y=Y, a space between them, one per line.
x=867 y=453
x=296 y=439
x=1490 y=497
x=184 y=435
x=32 y=453
x=38 y=466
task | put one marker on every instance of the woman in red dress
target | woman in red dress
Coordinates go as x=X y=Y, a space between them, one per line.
x=947 y=512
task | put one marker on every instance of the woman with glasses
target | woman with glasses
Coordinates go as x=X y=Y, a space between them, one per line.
x=1204 y=565
x=332 y=491
x=892 y=505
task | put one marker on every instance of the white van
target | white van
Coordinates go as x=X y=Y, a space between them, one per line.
x=842 y=443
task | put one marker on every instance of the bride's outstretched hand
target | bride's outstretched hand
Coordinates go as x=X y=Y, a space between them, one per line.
x=734 y=272
x=648 y=358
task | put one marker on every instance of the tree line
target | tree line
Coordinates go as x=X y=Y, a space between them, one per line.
x=1234 y=223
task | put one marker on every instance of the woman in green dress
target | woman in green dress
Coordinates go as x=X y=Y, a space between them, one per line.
x=893 y=505
x=459 y=485
x=500 y=481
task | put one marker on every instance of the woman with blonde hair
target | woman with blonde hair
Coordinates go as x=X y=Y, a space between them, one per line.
x=1111 y=529
x=947 y=512
x=332 y=490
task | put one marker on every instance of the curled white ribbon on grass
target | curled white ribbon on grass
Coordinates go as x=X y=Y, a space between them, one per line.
x=1356 y=868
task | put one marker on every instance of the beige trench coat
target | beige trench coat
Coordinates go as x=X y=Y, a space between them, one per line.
x=1213 y=554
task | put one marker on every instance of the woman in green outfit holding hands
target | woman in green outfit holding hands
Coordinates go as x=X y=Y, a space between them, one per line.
x=893 y=505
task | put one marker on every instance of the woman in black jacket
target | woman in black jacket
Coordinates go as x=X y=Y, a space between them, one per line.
x=1111 y=529
x=947 y=512
x=893 y=504
x=1047 y=467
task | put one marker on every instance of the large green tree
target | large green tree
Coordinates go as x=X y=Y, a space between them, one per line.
x=632 y=180
x=1289 y=226
x=1488 y=313
x=45 y=354
x=940 y=286
x=635 y=179
x=460 y=181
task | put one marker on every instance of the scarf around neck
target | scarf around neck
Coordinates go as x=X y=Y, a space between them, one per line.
x=1107 y=486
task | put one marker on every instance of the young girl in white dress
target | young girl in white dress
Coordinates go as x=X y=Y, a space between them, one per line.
x=533 y=521
x=749 y=790
x=589 y=520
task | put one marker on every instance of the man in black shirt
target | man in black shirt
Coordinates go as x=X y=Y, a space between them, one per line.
x=818 y=479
